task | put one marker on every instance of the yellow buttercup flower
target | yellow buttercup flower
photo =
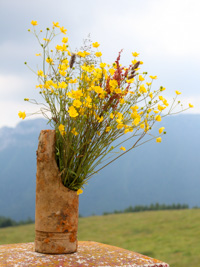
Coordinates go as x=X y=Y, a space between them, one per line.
x=190 y=105
x=63 y=30
x=96 y=44
x=77 y=103
x=37 y=55
x=34 y=22
x=49 y=60
x=100 y=119
x=153 y=77
x=98 y=54
x=141 y=78
x=112 y=71
x=72 y=112
x=130 y=80
x=74 y=131
x=56 y=24
x=61 y=129
x=102 y=65
x=108 y=129
x=22 y=115
x=79 y=191
x=40 y=73
x=151 y=95
x=65 y=40
x=159 y=140
x=134 y=61
x=158 y=118
x=135 y=54
x=177 y=92
x=111 y=115
x=123 y=148
x=62 y=85
x=161 y=130
x=142 y=89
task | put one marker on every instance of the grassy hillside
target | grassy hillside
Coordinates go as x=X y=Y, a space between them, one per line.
x=171 y=236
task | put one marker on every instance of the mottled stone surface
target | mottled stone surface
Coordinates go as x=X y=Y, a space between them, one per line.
x=88 y=254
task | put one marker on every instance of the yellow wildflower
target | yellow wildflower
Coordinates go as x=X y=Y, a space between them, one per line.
x=98 y=89
x=177 y=92
x=156 y=111
x=137 y=120
x=74 y=131
x=56 y=24
x=130 y=80
x=64 y=40
x=102 y=65
x=34 y=22
x=134 y=61
x=113 y=83
x=98 y=54
x=79 y=191
x=158 y=118
x=148 y=83
x=161 y=130
x=112 y=71
x=120 y=125
x=123 y=148
x=190 y=105
x=134 y=108
x=135 y=54
x=160 y=97
x=111 y=115
x=49 y=60
x=22 y=115
x=72 y=112
x=118 y=91
x=142 y=126
x=151 y=95
x=40 y=73
x=62 y=72
x=142 y=89
x=165 y=102
x=153 y=77
x=96 y=44
x=141 y=78
x=121 y=101
x=37 y=55
x=160 y=108
x=100 y=119
x=77 y=103
x=73 y=81
x=61 y=129
x=62 y=85
x=108 y=129
x=159 y=140
x=63 y=30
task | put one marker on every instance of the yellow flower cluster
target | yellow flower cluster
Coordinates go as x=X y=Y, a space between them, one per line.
x=93 y=102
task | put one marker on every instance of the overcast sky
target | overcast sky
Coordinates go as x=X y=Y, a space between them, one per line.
x=165 y=33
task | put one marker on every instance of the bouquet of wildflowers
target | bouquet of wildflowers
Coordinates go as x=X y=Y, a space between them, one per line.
x=92 y=104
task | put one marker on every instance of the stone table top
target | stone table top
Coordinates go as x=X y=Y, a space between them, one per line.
x=89 y=254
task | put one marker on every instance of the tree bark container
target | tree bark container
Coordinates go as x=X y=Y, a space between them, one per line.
x=56 y=212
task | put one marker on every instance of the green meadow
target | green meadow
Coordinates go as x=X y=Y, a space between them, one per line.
x=171 y=236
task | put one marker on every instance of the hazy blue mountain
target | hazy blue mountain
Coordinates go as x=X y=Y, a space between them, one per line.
x=166 y=172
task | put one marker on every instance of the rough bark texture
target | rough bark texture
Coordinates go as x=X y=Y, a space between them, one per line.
x=56 y=212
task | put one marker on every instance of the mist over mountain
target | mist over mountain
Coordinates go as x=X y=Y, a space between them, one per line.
x=166 y=172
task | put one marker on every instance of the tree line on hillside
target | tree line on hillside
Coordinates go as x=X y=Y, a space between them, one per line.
x=5 y=222
x=151 y=207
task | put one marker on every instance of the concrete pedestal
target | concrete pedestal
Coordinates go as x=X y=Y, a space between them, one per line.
x=89 y=254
